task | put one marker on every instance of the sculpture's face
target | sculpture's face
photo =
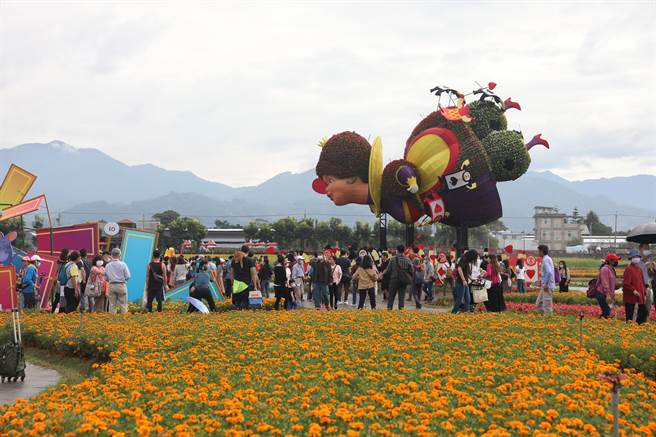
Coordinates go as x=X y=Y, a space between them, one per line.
x=346 y=190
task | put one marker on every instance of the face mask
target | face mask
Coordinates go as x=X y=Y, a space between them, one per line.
x=99 y=263
x=615 y=263
x=320 y=257
x=646 y=252
x=635 y=260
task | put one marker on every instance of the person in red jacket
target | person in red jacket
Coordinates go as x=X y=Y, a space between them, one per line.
x=634 y=290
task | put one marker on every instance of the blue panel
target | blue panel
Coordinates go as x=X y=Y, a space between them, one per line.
x=181 y=292
x=137 y=248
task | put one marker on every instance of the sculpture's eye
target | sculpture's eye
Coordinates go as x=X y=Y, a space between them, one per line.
x=495 y=124
x=508 y=164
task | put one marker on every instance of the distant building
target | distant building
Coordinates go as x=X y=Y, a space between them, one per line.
x=553 y=228
x=226 y=238
x=518 y=240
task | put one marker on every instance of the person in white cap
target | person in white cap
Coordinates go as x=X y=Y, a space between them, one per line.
x=29 y=282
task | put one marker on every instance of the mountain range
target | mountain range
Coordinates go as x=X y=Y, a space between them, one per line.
x=86 y=184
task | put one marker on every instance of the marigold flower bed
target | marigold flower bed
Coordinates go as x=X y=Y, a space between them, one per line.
x=323 y=373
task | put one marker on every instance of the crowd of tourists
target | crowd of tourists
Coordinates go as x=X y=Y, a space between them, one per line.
x=334 y=279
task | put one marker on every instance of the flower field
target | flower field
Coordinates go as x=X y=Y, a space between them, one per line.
x=336 y=373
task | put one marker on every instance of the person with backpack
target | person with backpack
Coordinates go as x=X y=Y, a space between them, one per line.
x=156 y=282
x=72 y=287
x=418 y=282
x=97 y=286
x=606 y=284
x=281 y=286
x=400 y=274
x=58 y=288
x=85 y=268
x=265 y=275
x=29 y=282
x=345 y=285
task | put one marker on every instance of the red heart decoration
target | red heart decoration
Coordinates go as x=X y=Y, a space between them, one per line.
x=441 y=271
x=508 y=248
x=491 y=85
x=433 y=257
x=420 y=246
x=438 y=208
x=530 y=273
x=270 y=250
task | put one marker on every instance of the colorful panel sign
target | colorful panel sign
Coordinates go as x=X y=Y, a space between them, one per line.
x=47 y=277
x=15 y=186
x=22 y=208
x=8 y=296
x=181 y=292
x=137 y=248
x=76 y=237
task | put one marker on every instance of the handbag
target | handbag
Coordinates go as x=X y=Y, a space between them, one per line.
x=480 y=294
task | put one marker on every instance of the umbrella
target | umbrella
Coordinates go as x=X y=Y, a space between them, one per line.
x=199 y=305
x=644 y=233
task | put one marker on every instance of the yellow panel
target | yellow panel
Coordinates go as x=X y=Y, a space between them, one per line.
x=15 y=186
x=430 y=154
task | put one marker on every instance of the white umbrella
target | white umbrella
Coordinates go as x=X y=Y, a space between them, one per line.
x=199 y=305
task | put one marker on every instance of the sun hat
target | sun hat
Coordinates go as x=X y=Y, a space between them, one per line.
x=36 y=258
x=633 y=254
x=612 y=257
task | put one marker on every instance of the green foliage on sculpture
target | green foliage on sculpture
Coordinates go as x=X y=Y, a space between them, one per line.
x=507 y=153
x=487 y=117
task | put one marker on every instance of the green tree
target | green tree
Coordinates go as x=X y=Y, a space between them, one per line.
x=37 y=223
x=166 y=217
x=595 y=225
x=285 y=231
x=224 y=224
x=362 y=234
x=180 y=229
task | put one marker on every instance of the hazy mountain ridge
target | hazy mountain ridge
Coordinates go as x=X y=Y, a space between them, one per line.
x=145 y=189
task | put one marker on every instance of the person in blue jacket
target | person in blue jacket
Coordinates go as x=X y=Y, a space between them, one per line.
x=29 y=282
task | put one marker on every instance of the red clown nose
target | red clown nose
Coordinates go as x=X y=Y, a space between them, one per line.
x=319 y=186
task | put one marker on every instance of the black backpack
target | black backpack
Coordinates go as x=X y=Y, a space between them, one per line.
x=404 y=276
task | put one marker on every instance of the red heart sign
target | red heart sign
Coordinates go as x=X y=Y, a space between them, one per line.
x=530 y=274
x=441 y=271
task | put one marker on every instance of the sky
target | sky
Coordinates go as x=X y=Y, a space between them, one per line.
x=240 y=92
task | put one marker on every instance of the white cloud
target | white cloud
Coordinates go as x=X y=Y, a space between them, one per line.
x=237 y=93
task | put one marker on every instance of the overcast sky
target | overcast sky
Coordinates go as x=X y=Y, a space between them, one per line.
x=237 y=93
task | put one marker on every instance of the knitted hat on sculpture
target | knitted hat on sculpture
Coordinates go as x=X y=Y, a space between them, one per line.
x=345 y=155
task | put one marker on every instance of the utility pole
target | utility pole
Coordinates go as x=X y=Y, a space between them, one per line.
x=615 y=233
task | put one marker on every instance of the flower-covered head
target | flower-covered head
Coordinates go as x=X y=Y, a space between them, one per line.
x=343 y=169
